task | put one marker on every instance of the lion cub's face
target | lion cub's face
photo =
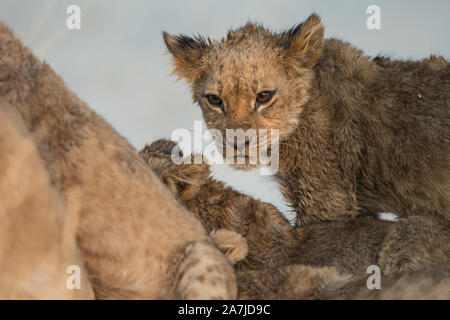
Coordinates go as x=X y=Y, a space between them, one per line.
x=252 y=79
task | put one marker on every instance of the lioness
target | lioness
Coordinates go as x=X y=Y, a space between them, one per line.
x=135 y=239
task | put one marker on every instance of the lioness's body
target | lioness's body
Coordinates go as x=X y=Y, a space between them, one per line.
x=135 y=239
x=39 y=258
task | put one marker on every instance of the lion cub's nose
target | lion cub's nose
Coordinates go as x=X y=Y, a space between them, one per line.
x=237 y=145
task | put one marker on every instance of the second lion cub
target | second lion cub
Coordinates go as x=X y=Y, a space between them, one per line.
x=410 y=244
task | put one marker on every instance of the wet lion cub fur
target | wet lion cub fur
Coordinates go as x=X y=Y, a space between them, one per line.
x=356 y=134
x=410 y=244
x=327 y=260
x=135 y=239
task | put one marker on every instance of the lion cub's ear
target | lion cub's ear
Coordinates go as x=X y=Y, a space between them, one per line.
x=187 y=53
x=304 y=42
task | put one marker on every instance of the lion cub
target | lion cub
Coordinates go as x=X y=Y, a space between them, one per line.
x=350 y=246
x=355 y=134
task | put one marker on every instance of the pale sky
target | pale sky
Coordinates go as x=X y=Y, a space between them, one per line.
x=117 y=61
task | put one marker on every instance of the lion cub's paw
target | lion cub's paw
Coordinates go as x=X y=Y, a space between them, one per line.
x=164 y=146
x=158 y=154
x=184 y=179
x=232 y=244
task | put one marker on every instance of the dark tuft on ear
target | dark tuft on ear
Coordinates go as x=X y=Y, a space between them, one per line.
x=304 y=42
x=187 y=53
x=288 y=36
x=182 y=45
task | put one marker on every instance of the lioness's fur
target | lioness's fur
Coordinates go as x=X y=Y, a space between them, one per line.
x=37 y=233
x=355 y=132
x=136 y=240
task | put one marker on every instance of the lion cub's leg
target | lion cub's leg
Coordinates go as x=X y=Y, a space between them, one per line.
x=200 y=273
x=198 y=276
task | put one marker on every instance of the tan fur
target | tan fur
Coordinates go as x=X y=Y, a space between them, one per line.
x=37 y=232
x=412 y=244
x=148 y=247
x=357 y=134
x=231 y=243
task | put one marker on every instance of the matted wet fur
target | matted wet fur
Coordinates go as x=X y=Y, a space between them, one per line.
x=356 y=134
x=306 y=282
x=136 y=240
x=409 y=245
x=350 y=246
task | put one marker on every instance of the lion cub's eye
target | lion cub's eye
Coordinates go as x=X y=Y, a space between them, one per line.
x=264 y=97
x=213 y=99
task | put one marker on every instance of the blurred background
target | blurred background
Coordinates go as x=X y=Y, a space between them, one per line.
x=117 y=63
